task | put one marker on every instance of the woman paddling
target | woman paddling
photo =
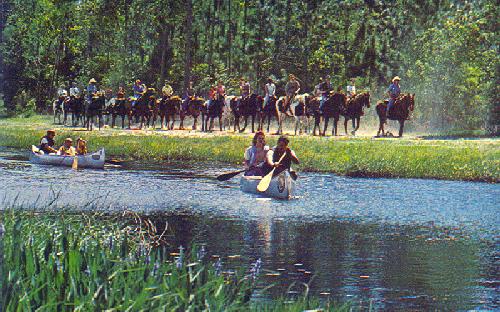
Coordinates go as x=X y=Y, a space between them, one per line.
x=255 y=155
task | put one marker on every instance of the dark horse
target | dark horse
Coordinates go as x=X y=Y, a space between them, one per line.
x=354 y=110
x=193 y=108
x=215 y=110
x=250 y=106
x=332 y=108
x=403 y=105
x=142 y=109
x=77 y=108
x=168 y=107
x=270 y=110
x=94 y=109
x=122 y=107
x=58 y=108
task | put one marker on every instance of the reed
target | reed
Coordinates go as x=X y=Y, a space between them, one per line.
x=473 y=160
x=84 y=262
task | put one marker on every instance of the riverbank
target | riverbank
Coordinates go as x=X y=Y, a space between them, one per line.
x=462 y=159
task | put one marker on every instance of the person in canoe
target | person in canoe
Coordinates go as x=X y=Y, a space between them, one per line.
x=67 y=149
x=273 y=157
x=81 y=146
x=47 y=142
x=255 y=155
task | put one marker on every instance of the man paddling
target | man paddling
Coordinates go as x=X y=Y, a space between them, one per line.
x=47 y=142
x=273 y=157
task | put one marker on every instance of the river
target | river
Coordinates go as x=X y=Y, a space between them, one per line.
x=393 y=244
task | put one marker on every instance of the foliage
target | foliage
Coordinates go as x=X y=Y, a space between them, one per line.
x=408 y=158
x=82 y=262
x=445 y=51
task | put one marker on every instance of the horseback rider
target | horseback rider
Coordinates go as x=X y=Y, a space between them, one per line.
x=190 y=93
x=74 y=92
x=212 y=94
x=255 y=155
x=325 y=88
x=291 y=90
x=351 y=89
x=244 y=88
x=393 y=91
x=139 y=89
x=91 y=89
x=47 y=142
x=221 y=91
x=167 y=90
x=270 y=90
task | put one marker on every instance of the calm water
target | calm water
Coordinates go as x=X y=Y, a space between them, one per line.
x=392 y=243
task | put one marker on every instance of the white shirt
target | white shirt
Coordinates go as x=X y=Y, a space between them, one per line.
x=74 y=91
x=270 y=89
x=351 y=89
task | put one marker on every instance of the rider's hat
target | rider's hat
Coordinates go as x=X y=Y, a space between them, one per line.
x=138 y=81
x=396 y=78
x=92 y=81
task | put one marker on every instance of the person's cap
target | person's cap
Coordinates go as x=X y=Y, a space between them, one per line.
x=138 y=81
x=92 y=80
x=327 y=77
x=51 y=131
x=396 y=78
x=68 y=140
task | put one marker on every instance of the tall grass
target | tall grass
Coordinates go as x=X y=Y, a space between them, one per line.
x=477 y=160
x=81 y=262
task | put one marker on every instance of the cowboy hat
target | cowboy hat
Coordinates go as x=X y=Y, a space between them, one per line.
x=92 y=81
x=396 y=78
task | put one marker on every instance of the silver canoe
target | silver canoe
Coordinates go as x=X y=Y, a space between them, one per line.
x=92 y=160
x=282 y=186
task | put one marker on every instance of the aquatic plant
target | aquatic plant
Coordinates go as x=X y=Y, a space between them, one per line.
x=84 y=262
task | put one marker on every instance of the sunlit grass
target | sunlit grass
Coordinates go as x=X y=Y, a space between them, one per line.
x=83 y=262
x=477 y=160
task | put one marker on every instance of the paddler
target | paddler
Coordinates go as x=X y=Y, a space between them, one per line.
x=67 y=149
x=255 y=155
x=47 y=142
x=81 y=146
x=274 y=155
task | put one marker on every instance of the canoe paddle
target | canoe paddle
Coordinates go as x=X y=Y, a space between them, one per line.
x=228 y=175
x=75 y=163
x=264 y=183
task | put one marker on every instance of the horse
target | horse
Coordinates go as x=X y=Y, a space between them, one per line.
x=168 y=107
x=122 y=107
x=400 y=111
x=211 y=112
x=153 y=111
x=77 y=109
x=333 y=106
x=192 y=108
x=58 y=108
x=142 y=109
x=354 y=110
x=298 y=109
x=93 y=109
x=249 y=106
x=270 y=110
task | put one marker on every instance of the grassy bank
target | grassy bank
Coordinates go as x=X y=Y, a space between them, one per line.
x=82 y=262
x=476 y=160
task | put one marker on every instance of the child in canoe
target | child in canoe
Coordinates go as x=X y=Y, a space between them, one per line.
x=67 y=149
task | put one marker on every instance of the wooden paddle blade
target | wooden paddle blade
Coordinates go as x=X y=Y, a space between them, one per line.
x=264 y=183
x=75 y=163
x=229 y=175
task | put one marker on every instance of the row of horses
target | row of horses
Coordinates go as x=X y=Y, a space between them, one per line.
x=233 y=111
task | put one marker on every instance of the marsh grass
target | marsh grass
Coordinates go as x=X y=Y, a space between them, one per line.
x=474 y=160
x=55 y=261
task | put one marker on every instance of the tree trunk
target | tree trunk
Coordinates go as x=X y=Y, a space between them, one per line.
x=189 y=25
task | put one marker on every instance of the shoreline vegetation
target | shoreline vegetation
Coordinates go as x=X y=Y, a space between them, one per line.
x=468 y=160
x=84 y=261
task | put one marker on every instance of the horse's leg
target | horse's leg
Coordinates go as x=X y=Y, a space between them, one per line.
x=335 y=124
x=345 y=124
x=253 y=123
x=220 y=123
x=358 y=120
x=327 y=119
x=401 y=127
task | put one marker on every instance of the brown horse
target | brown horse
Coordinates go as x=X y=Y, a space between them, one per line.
x=123 y=108
x=270 y=110
x=209 y=113
x=169 y=106
x=332 y=108
x=403 y=105
x=354 y=110
x=193 y=109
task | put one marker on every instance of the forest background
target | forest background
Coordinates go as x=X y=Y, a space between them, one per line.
x=445 y=51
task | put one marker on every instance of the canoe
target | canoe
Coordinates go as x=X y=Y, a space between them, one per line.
x=91 y=160
x=282 y=186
